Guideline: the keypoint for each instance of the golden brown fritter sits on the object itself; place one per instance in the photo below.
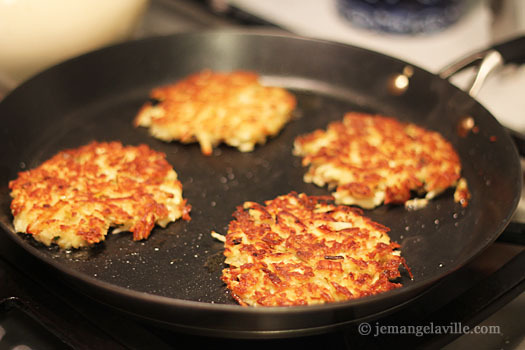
(298, 250)
(212, 107)
(373, 159)
(73, 198)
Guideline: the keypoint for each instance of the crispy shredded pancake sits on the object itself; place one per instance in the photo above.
(300, 250)
(73, 198)
(373, 159)
(211, 107)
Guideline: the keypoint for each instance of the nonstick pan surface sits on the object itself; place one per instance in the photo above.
(174, 277)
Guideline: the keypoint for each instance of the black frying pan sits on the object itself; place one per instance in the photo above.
(173, 278)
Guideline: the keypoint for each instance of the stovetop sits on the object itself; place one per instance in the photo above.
(40, 310)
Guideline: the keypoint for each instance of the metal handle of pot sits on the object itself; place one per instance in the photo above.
(510, 51)
(487, 61)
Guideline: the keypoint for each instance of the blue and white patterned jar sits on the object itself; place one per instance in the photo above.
(402, 16)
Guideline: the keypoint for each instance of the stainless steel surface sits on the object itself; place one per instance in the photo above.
(490, 62)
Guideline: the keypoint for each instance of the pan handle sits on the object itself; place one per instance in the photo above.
(510, 51)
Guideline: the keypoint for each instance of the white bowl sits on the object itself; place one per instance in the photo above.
(36, 34)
